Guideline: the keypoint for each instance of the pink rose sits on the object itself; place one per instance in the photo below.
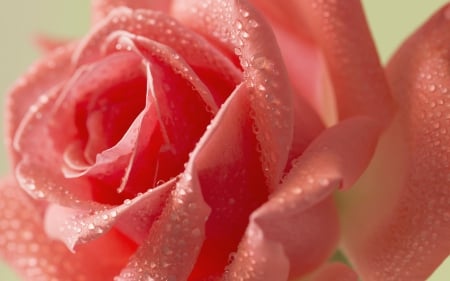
(197, 140)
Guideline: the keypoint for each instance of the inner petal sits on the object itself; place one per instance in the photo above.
(111, 113)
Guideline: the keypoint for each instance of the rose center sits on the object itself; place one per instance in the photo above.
(110, 114)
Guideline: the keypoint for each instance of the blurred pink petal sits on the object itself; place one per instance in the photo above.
(48, 44)
(34, 256)
(407, 237)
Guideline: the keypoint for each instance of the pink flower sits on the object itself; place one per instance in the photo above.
(204, 140)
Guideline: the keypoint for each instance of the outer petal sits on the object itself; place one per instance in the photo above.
(25, 246)
(236, 26)
(101, 8)
(47, 44)
(339, 30)
(299, 217)
(408, 236)
(39, 79)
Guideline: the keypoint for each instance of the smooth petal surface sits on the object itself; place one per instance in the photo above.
(236, 26)
(300, 216)
(339, 31)
(407, 238)
(26, 247)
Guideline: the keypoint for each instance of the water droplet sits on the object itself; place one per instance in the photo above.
(253, 23)
(324, 182)
(239, 25)
(297, 190)
(245, 13)
(245, 34)
(40, 194)
(432, 88)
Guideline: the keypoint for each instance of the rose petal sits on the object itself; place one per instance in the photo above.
(305, 68)
(203, 57)
(236, 25)
(49, 179)
(25, 246)
(339, 29)
(101, 8)
(48, 44)
(334, 271)
(335, 159)
(232, 193)
(407, 237)
(183, 117)
(34, 85)
(134, 218)
(307, 126)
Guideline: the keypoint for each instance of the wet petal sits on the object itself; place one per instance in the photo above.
(48, 44)
(239, 28)
(300, 216)
(101, 8)
(133, 218)
(407, 238)
(203, 57)
(26, 247)
(33, 86)
(222, 199)
(339, 30)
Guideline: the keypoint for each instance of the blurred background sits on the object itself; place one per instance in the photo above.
(390, 21)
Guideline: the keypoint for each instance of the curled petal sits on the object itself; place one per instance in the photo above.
(240, 29)
(222, 185)
(158, 27)
(134, 218)
(300, 216)
(407, 238)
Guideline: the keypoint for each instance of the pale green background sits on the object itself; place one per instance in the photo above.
(390, 20)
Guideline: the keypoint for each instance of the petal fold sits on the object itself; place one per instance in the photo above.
(300, 216)
(239, 28)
